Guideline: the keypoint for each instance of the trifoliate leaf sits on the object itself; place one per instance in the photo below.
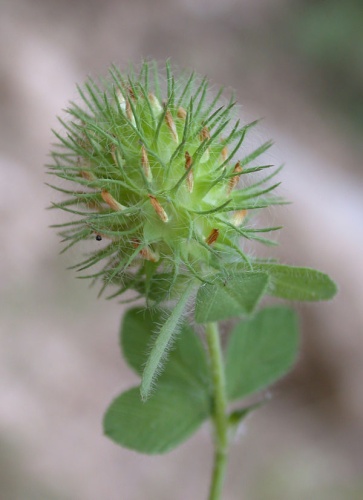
(181, 401)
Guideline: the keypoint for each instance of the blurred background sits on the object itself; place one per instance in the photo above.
(299, 65)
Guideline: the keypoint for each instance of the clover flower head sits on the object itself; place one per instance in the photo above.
(159, 173)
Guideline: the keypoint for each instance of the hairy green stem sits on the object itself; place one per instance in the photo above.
(219, 410)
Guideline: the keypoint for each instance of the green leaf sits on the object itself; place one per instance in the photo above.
(182, 399)
(159, 424)
(231, 295)
(162, 343)
(298, 283)
(260, 351)
(187, 364)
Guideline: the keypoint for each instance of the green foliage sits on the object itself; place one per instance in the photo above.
(187, 360)
(229, 296)
(160, 424)
(260, 351)
(182, 399)
(297, 283)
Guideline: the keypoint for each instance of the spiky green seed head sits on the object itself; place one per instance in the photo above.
(158, 175)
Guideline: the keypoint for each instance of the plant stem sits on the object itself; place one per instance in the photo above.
(219, 410)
